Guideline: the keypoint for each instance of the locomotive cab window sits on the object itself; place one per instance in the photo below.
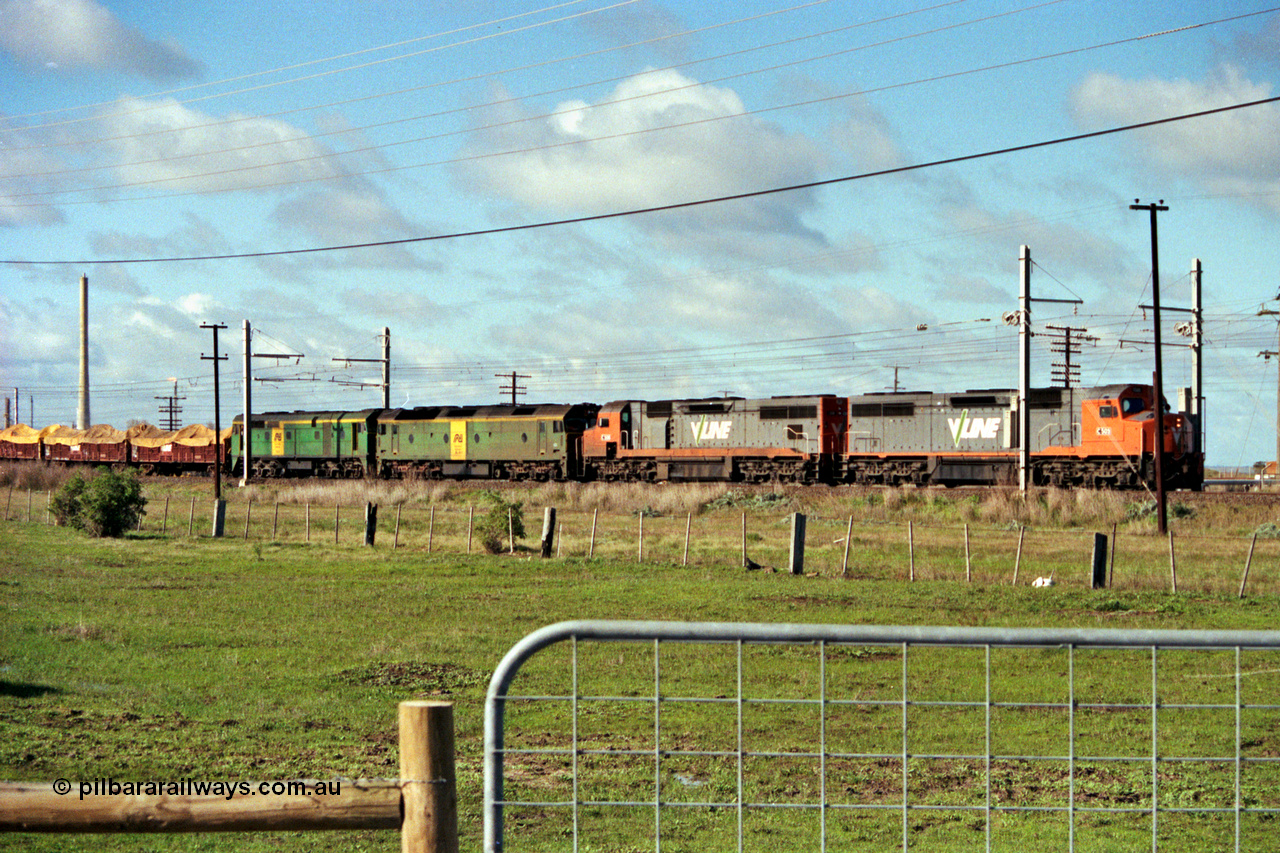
(1106, 411)
(604, 422)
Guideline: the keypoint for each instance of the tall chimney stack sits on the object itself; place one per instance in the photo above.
(82, 411)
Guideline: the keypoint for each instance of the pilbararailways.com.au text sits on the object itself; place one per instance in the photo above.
(196, 788)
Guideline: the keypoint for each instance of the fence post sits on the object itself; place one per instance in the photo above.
(1247, 563)
(471, 519)
(591, 550)
(911, 548)
(688, 526)
(308, 521)
(191, 517)
(744, 540)
(511, 529)
(370, 523)
(428, 784)
(797, 543)
(431, 528)
(1111, 559)
(337, 515)
(1099, 561)
(1173, 564)
(968, 564)
(848, 534)
(395, 542)
(1017, 561)
(164, 525)
(275, 521)
(640, 540)
(248, 511)
(548, 530)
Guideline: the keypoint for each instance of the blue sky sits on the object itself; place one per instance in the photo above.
(146, 131)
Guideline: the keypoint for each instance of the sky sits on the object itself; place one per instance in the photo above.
(632, 199)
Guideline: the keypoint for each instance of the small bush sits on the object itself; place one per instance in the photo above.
(746, 500)
(502, 522)
(105, 506)
(1139, 510)
(1267, 530)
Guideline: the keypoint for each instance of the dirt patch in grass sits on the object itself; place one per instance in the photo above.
(434, 679)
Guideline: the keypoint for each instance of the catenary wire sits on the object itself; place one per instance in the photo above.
(600, 217)
(341, 174)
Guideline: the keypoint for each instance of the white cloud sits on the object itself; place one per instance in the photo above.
(196, 305)
(85, 34)
(170, 148)
(654, 140)
(1232, 153)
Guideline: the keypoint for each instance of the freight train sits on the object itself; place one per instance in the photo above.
(1102, 437)
(1099, 438)
(190, 450)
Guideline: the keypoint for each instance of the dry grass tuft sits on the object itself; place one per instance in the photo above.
(38, 477)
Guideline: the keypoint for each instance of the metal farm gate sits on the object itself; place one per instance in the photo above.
(755, 737)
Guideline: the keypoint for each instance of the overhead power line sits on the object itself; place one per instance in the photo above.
(308, 63)
(327, 156)
(599, 217)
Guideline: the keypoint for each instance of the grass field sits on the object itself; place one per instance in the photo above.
(164, 656)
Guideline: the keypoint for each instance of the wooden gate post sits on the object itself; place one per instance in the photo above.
(428, 784)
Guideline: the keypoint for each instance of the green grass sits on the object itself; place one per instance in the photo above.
(168, 657)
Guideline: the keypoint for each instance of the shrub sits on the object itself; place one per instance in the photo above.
(66, 503)
(503, 521)
(105, 506)
(1267, 530)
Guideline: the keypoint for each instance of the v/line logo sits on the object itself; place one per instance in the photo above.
(964, 429)
(709, 430)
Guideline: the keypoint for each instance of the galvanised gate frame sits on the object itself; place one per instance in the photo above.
(1235, 787)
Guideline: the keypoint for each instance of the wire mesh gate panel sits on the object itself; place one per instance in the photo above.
(755, 737)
